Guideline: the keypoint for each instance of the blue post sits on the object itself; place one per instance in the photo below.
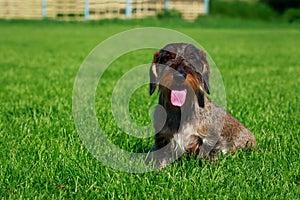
(128, 9)
(167, 4)
(86, 10)
(44, 9)
(206, 7)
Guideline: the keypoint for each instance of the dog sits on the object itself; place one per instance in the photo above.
(185, 119)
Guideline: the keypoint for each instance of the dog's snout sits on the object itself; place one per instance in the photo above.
(179, 77)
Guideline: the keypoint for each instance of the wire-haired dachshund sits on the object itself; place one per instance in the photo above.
(186, 120)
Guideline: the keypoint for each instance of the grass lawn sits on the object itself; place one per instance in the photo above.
(42, 156)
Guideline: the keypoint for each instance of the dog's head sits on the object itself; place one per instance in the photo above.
(176, 69)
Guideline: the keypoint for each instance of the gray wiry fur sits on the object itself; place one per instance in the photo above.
(204, 129)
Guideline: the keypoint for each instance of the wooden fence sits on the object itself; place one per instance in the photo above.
(97, 9)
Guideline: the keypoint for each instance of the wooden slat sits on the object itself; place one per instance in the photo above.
(99, 9)
(190, 10)
(18, 9)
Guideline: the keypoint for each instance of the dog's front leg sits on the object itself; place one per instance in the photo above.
(161, 156)
(209, 143)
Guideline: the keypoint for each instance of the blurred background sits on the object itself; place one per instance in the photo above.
(189, 10)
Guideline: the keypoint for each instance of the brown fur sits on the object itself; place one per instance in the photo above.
(199, 126)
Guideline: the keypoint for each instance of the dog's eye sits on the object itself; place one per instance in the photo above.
(192, 57)
(165, 58)
(168, 57)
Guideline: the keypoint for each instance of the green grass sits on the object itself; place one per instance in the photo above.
(42, 156)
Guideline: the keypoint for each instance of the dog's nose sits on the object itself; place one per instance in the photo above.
(179, 77)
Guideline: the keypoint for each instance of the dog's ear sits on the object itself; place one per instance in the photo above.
(205, 71)
(200, 96)
(153, 73)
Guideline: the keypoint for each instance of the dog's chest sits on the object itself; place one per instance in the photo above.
(187, 137)
(193, 130)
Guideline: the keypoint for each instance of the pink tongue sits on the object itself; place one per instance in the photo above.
(178, 97)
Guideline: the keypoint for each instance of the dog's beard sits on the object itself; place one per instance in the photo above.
(178, 97)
